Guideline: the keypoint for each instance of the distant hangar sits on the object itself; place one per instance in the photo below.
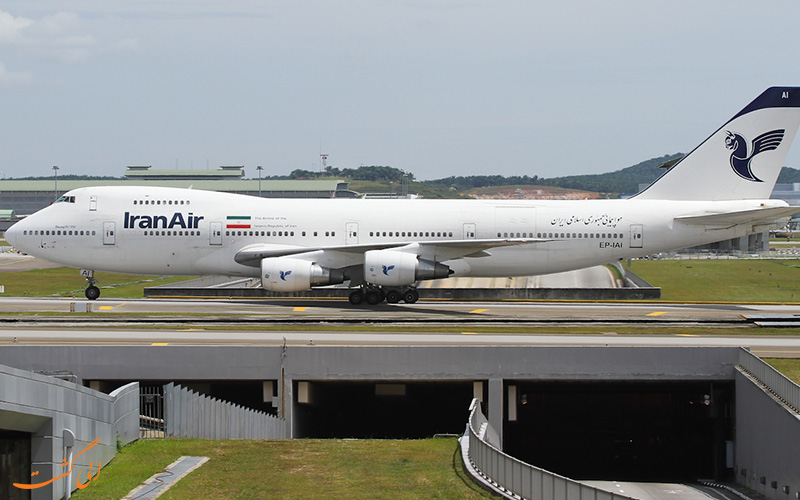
(27, 196)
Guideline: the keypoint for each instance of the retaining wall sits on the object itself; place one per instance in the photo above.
(45, 406)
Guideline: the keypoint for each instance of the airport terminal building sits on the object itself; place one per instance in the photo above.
(25, 197)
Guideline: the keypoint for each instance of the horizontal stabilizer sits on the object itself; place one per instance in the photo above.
(726, 219)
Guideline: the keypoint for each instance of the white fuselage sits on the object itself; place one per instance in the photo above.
(168, 231)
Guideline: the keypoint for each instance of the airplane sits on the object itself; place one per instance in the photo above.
(383, 248)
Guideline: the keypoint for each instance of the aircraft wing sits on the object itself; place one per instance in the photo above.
(251, 255)
(727, 219)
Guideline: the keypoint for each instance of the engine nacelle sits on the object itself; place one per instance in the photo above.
(284, 274)
(393, 268)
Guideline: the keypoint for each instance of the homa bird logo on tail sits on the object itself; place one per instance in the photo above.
(740, 160)
(284, 274)
(386, 270)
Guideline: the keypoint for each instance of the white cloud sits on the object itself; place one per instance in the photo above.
(14, 78)
(60, 37)
(11, 27)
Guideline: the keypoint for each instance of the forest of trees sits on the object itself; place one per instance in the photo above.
(371, 173)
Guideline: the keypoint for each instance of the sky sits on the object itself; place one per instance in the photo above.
(435, 87)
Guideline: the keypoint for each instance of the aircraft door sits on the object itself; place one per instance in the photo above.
(469, 231)
(351, 230)
(637, 233)
(93, 203)
(215, 233)
(109, 230)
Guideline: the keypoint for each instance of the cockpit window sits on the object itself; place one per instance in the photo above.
(66, 199)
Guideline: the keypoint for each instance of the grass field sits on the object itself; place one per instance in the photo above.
(67, 282)
(789, 367)
(319, 469)
(734, 280)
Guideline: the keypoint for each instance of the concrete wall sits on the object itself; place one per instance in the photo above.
(218, 419)
(44, 406)
(491, 364)
(767, 442)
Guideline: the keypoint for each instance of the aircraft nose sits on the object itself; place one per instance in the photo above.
(12, 234)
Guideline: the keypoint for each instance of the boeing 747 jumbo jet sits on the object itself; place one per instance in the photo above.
(383, 248)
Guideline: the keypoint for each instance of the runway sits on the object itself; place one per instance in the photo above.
(340, 310)
(766, 346)
(336, 323)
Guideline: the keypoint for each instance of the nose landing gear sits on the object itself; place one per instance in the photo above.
(374, 295)
(91, 292)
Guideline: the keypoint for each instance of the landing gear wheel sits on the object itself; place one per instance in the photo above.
(374, 297)
(92, 292)
(357, 297)
(393, 296)
(410, 296)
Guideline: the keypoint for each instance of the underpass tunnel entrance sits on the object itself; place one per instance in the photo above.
(628, 431)
(15, 464)
(381, 409)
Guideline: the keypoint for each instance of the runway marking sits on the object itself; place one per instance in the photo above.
(657, 313)
(468, 333)
(299, 309)
(106, 308)
(478, 311)
(685, 335)
(160, 343)
(15, 262)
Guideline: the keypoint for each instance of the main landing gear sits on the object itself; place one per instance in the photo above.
(373, 295)
(91, 292)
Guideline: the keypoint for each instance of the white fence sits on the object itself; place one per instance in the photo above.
(774, 381)
(188, 414)
(516, 479)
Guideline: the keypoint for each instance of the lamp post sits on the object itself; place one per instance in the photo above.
(55, 176)
(259, 168)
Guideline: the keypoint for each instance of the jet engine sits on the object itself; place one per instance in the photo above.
(284, 274)
(393, 268)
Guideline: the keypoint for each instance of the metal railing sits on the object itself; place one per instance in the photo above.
(516, 479)
(151, 412)
(771, 379)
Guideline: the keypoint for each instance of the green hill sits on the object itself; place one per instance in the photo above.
(626, 180)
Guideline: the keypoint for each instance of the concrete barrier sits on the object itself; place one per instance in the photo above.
(461, 294)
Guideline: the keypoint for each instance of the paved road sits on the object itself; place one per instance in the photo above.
(333, 309)
(659, 491)
(64, 334)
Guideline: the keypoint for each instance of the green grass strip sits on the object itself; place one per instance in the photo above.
(319, 469)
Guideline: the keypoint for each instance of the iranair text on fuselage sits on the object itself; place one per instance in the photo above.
(175, 221)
